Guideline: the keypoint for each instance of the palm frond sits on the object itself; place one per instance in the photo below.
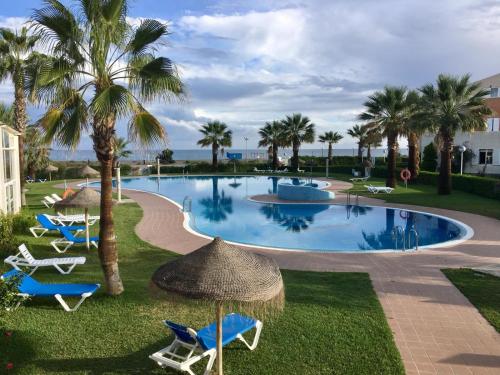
(145, 35)
(114, 100)
(144, 128)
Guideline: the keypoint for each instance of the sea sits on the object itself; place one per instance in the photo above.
(206, 154)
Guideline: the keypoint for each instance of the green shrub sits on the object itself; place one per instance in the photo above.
(9, 297)
(125, 169)
(7, 239)
(166, 156)
(429, 160)
(22, 222)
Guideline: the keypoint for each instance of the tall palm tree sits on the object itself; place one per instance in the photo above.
(358, 132)
(215, 134)
(16, 56)
(102, 69)
(331, 138)
(272, 135)
(297, 129)
(390, 110)
(36, 151)
(453, 104)
(120, 150)
(373, 138)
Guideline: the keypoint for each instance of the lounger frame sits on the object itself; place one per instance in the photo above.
(169, 356)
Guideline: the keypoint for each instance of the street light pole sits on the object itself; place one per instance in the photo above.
(246, 147)
(462, 149)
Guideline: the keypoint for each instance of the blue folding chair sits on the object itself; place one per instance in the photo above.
(71, 239)
(45, 224)
(29, 287)
(202, 343)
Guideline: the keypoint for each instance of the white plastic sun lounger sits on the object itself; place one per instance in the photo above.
(300, 170)
(202, 343)
(56, 197)
(69, 220)
(25, 259)
(256, 170)
(379, 189)
(48, 201)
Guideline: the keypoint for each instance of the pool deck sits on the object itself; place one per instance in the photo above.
(436, 329)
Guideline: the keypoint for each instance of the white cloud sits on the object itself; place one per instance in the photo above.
(14, 23)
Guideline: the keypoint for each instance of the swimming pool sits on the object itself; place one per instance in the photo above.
(220, 207)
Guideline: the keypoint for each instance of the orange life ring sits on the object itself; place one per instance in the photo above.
(67, 193)
(405, 174)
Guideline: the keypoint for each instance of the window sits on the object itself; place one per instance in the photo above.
(494, 92)
(7, 165)
(5, 139)
(486, 156)
(9, 198)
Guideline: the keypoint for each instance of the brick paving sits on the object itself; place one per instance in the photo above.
(436, 329)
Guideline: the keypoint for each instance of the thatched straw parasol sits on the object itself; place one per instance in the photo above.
(88, 171)
(85, 198)
(51, 168)
(225, 275)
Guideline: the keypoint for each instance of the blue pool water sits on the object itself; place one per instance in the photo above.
(220, 207)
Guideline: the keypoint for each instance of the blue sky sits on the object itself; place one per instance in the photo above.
(247, 62)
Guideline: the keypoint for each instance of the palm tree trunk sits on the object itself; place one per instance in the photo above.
(392, 145)
(369, 152)
(329, 152)
(108, 252)
(360, 152)
(214, 156)
(20, 123)
(275, 156)
(413, 156)
(444, 186)
(295, 157)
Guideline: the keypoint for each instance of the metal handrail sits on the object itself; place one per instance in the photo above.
(186, 204)
(415, 233)
(398, 230)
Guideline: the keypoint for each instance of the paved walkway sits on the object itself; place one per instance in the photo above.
(435, 327)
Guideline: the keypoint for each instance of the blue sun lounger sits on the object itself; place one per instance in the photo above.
(71, 239)
(46, 224)
(202, 343)
(29, 287)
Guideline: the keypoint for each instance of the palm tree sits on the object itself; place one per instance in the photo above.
(218, 206)
(36, 151)
(390, 110)
(331, 138)
(215, 134)
(453, 104)
(297, 129)
(6, 114)
(120, 150)
(272, 135)
(373, 138)
(358, 132)
(16, 56)
(101, 70)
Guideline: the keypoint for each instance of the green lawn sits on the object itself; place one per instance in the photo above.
(332, 322)
(482, 290)
(425, 195)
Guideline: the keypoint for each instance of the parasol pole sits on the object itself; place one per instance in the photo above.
(87, 235)
(219, 339)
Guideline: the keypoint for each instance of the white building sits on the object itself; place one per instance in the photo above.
(484, 144)
(10, 185)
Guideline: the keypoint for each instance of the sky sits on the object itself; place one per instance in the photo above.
(248, 62)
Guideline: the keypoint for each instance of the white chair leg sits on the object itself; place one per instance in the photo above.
(56, 247)
(255, 342)
(62, 271)
(34, 230)
(210, 364)
(33, 270)
(66, 307)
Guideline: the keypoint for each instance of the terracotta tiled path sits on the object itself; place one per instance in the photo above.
(435, 328)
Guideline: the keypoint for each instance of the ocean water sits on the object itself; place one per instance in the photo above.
(206, 154)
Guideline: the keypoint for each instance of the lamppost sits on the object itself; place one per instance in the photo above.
(462, 149)
(246, 147)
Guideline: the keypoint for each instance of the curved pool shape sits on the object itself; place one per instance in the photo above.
(220, 207)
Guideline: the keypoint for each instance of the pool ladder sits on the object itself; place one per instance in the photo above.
(399, 232)
(348, 197)
(186, 204)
